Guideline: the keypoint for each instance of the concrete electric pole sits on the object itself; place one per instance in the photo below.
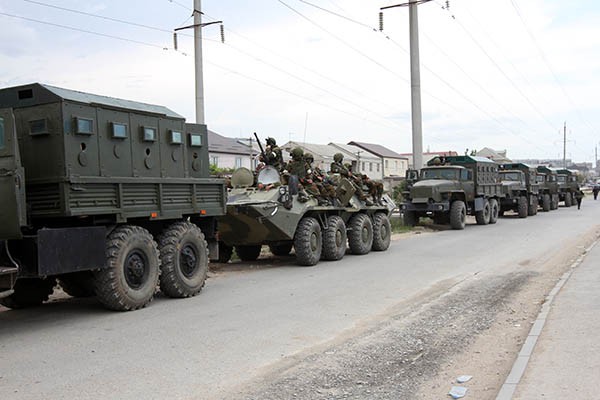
(415, 80)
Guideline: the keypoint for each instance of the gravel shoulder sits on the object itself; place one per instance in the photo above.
(418, 348)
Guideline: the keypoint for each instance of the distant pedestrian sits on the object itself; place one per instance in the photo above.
(578, 197)
(595, 190)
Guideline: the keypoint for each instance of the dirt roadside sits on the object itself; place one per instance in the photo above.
(474, 327)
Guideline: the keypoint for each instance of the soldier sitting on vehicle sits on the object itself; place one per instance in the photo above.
(272, 155)
(374, 188)
(326, 191)
(295, 170)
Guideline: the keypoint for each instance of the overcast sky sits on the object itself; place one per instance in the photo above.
(504, 74)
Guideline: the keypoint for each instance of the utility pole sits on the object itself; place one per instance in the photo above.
(565, 146)
(415, 79)
(198, 72)
(199, 75)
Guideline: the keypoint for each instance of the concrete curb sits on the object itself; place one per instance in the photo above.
(514, 378)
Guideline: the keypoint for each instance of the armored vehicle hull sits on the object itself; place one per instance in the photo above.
(106, 196)
(257, 217)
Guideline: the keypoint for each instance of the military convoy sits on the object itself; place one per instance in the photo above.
(450, 188)
(110, 197)
(266, 212)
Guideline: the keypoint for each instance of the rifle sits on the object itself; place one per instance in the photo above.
(262, 151)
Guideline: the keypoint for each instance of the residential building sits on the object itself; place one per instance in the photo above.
(498, 156)
(231, 153)
(366, 162)
(393, 163)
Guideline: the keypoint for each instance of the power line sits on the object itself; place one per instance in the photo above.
(85, 31)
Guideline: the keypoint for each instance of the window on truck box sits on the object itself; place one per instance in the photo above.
(1, 133)
(119, 131)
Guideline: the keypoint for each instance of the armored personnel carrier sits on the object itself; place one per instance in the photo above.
(450, 188)
(521, 191)
(267, 213)
(548, 193)
(109, 197)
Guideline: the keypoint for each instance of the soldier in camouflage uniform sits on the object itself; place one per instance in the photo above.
(326, 190)
(294, 171)
(345, 170)
(272, 155)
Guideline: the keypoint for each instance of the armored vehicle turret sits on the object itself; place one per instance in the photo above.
(271, 213)
(104, 195)
(450, 188)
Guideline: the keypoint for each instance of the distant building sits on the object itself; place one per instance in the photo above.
(394, 164)
(498, 156)
(366, 163)
(233, 153)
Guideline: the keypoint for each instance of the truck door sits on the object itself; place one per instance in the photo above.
(12, 180)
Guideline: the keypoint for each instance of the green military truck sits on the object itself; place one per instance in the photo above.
(567, 185)
(520, 189)
(450, 188)
(107, 197)
(548, 193)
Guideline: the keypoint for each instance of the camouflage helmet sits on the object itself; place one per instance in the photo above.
(297, 153)
(338, 157)
(309, 157)
(271, 141)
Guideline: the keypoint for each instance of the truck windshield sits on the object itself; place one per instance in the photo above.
(440, 173)
(1, 133)
(540, 178)
(562, 178)
(510, 176)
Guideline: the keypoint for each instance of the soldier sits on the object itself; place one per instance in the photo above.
(337, 167)
(272, 155)
(295, 170)
(375, 189)
(326, 191)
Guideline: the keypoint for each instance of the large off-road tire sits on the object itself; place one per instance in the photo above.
(29, 292)
(532, 210)
(308, 241)
(568, 200)
(546, 202)
(458, 215)
(184, 260)
(248, 253)
(494, 211)
(133, 265)
(225, 252)
(554, 202)
(522, 207)
(334, 239)
(409, 218)
(360, 235)
(382, 232)
(281, 249)
(483, 216)
(78, 284)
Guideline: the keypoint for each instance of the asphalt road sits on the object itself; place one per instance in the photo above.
(251, 318)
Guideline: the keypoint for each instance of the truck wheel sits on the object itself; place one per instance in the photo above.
(409, 218)
(546, 202)
(382, 232)
(360, 236)
(522, 207)
(458, 214)
(29, 292)
(281, 249)
(554, 202)
(133, 266)
(532, 210)
(184, 260)
(483, 216)
(78, 284)
(494, 211)
(225, 252)
(334, 239)
(248, 253)
(568, 200)
(308, 241)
